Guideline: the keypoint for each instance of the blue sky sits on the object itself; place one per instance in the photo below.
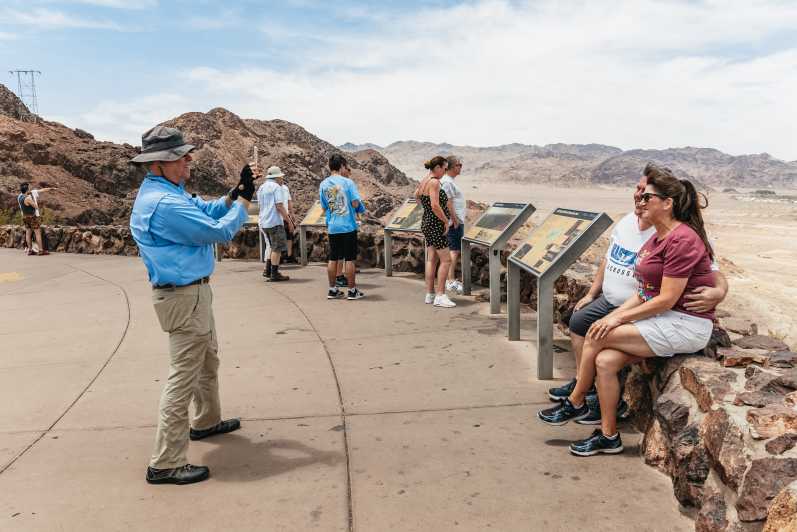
(641, 73)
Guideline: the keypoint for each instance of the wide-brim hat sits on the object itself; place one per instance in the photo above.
(162, 144)
(274, 171)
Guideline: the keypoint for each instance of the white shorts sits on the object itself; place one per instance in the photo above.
(673, 332)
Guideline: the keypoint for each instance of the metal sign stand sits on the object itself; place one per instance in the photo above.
(314, 219)
(494, 250)
(545, 291)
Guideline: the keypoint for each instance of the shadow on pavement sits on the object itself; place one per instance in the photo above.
(238, 459)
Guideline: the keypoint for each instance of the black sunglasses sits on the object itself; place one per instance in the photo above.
(647, 195)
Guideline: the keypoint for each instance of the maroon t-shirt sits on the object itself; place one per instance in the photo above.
(680, 254)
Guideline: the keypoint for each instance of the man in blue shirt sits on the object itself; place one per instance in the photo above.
(175, 233)
(341, 201)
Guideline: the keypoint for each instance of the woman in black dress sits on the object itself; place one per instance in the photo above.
(435, 227)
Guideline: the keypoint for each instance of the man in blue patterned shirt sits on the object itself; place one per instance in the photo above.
(175, 233)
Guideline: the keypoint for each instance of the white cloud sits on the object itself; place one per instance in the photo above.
(53, 19)
(126, 121)
(121, 4)
(633, 74)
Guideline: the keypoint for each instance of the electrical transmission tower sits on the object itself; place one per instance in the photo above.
(26, 90)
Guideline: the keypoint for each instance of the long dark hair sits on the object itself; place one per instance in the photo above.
(686, 200)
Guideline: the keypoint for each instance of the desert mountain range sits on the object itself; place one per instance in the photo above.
(593, 164)
(96, 184)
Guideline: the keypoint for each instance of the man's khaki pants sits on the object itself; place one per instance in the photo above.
(186, 313)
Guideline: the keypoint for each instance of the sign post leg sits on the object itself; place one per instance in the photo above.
(261, 249)
(495, 281)
(544, 329)
(513, 301)
(465, 259)
(303, 245)
(219, 252)
(388, 254)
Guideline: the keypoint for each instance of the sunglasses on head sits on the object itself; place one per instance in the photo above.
(647, 195)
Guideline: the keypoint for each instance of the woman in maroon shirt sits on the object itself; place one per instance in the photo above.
(652, 323)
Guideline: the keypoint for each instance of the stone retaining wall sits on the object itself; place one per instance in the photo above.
(722, 424)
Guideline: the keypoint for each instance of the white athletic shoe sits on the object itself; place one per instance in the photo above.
(429, 299)
(443, 301)
(458, 288)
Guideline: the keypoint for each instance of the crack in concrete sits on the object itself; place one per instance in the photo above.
(349, 501)
(93, 379)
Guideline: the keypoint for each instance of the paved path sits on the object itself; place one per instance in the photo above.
(371, 415)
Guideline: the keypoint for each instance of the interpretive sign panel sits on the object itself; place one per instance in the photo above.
(407, 217)
(315, 216)
(547, 253)
(493, 222)
(549, 240)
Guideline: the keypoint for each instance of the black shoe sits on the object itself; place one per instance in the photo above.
(564, 412)
(341, 282)
(188, 474)
(267, 270)
(276, 276)
(291, 260)
(228, 425)
(334, 293)
(597, 443)
(594, 417)
(562, 392)
(354, 293)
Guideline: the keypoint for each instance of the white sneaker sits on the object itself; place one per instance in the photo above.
(451, 285)
(429, 299)
(443, 301)
(458, 288)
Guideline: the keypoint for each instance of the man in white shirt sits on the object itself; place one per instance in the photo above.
(456, 208)
(615, 283)
(273, 219)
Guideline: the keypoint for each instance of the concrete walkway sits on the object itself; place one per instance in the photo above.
(371, 415)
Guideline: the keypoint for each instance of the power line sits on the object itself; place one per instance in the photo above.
(26, 90)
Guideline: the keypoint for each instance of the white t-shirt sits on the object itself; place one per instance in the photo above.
(454, 193)
(268, 195)
(619, 282)
(287, 193)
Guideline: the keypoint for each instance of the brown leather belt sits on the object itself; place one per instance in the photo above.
(204, 280)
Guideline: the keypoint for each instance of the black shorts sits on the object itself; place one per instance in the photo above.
(343, 246)
(582, 319)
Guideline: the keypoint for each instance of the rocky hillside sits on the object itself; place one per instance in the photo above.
(225, 142)
(96, 184)
(584, 164)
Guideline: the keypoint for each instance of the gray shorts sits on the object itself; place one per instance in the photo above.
(581, 320)
(277, 238)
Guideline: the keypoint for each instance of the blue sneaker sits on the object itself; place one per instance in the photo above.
(594, 417)
(561, 393)
(597, 443)
(564, 412)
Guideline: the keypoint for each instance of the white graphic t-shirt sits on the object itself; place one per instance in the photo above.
(619, 282)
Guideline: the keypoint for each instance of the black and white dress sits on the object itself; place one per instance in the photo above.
(434, 230)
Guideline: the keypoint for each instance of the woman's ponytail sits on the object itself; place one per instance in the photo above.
(687, 209)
